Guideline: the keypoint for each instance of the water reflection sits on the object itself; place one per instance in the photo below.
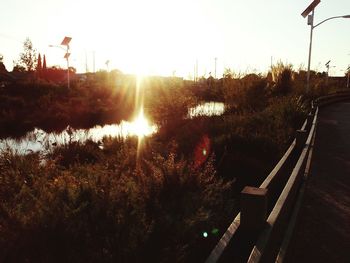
(207, 109)
(140, 126)
(40, 140)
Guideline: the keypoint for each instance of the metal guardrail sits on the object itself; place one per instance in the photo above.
(266, 234)
(264, 249)
(332, 98)
(284, 249)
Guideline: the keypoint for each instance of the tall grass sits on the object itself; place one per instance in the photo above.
(81, 202)
(108, 209)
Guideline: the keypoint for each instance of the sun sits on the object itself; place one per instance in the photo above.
(141, 127)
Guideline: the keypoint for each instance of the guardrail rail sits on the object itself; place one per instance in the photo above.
(262, 230)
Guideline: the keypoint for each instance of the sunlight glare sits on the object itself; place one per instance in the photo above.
(140, 126)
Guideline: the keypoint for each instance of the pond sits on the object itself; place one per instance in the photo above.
(38, 139)
(207, 109)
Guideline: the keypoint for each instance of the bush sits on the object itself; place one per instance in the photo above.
(107, 211)
(282, 77)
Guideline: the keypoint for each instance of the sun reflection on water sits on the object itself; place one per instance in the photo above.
(140, 126)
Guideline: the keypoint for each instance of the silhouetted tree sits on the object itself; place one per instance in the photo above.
(44, 63)
(38, 65)
(28, 57)
(44, 68)
(2, 66)
(18, 68)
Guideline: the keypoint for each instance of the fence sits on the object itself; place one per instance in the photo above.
(262, 230)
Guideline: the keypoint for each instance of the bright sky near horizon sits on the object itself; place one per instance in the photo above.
(160, 37)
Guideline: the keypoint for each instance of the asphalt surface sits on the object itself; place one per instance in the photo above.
(322, 233)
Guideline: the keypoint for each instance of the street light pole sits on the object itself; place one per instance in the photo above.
(311, 23)
(65, 42)
(305, 13)
(333, 17)
(67, 58)
(67, 55)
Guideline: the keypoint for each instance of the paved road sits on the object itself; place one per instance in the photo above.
(323, 230)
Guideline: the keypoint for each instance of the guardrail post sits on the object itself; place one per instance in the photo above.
(313, 108)
(300, 137)
(310, 119)
(253, 209)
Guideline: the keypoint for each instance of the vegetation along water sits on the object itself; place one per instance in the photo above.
(149, 197)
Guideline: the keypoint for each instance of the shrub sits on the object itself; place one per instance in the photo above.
(282, 76)
(107, 211)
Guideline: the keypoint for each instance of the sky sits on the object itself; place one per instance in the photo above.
(168, 37)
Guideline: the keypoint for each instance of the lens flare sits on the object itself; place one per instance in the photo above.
(215, 231)
(202, 151)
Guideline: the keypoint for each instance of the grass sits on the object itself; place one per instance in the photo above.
(81, 202)
(116, 210)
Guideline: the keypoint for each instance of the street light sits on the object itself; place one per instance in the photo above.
(310, 21)
(65, 42)
(333, 17)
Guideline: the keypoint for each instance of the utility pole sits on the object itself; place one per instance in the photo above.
(327, 66)
(271, 62)
(194, 73)
(215, 67)
(348, 71)
(93, 58)
(86, 63)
